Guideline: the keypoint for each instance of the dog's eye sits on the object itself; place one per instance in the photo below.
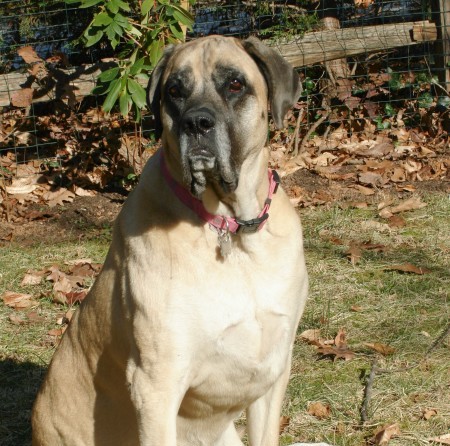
(174, 91)
(235, 86)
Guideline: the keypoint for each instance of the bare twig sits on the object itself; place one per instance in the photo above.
(368, 392)
(310, 131)
(295, 141)
(376, 370)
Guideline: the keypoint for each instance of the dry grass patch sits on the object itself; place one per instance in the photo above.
(405, 312)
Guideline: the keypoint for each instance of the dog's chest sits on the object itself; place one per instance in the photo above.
(241, 340)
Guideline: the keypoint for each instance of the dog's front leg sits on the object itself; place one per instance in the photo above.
(156, 390)
(263, 416)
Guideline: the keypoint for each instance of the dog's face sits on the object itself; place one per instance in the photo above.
(211, 98)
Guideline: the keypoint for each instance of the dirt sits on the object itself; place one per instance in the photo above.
(90, 217)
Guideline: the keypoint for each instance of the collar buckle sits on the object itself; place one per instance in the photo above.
(250, 226)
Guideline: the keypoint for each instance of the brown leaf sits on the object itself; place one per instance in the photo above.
(383, 349)
(58, 196)
(32, 278)
(354, 253)
(56, 331)
(408, 268)
(284, 423)
(396, 221)
(319, 410)
(34, 317)
(28, 54)
(371, 178)
(22, 97)
(310, 335)
(74, 297)
(356, 308)
(364, 190)
(429, 413)
(442, 439)
(336, 353)
(16, 319)
(18, 300)
(408, 205)
(383, 436)
(341, 339)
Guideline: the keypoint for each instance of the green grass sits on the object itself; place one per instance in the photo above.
(405, 311)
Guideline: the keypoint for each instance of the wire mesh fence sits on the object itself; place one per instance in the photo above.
(370, 69)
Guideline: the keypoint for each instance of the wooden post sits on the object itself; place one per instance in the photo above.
(441, 16)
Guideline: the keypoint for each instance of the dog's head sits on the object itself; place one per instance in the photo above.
(210, 99)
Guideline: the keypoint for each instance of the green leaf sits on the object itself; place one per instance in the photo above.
(92, 39)
(109, 75)
(102, 19)
(181, 18)
(146, 6)
(137, 66)
(425, 100)
(122, 5)
(176, 31)
(116, 88)
(186, 14)
(124, 103)
(112, 7)
(89, 3)
(121, 20)
(155, 51)
(100, 89)
(137, 93)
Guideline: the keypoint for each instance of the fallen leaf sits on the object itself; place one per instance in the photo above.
(58, 196)
(310, 335)
(429, 413)
(408, 205)
(408, 268)
(22, 97)
(32, 278)
(356, 308)
(74, 297)
(383, 349)
(28, 54)
(56, 331)
(354, 253)
(364, 190)
(284, 423)
(442, 439)
(396, 221)
(21, 186)
(383, 435)
(319, 410)
(18, 300)
(34, 317)
(16, 319)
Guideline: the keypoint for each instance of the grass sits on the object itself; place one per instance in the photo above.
(405, 311)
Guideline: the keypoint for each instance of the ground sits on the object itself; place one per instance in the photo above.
(358, 303)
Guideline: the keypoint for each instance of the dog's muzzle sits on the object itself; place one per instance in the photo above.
(204, 158)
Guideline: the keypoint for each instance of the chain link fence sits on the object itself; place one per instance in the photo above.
(369, 68)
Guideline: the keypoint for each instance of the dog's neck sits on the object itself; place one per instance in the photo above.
(245, 209)
(248, 199)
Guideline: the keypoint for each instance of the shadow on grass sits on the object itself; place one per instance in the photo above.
(19, 383)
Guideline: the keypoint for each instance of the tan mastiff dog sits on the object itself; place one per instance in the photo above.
(193, 317)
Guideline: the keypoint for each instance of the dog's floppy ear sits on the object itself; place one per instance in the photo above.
(154, 89)
(282, 80)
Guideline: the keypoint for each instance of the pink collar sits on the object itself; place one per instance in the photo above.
(222, 223)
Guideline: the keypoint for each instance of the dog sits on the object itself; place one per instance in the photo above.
(194, 314)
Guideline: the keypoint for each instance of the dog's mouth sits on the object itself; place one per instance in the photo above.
(203, 168)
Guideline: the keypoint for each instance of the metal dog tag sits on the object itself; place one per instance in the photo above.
(225, 244)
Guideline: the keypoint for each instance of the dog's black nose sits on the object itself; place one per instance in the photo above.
(198, 122)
